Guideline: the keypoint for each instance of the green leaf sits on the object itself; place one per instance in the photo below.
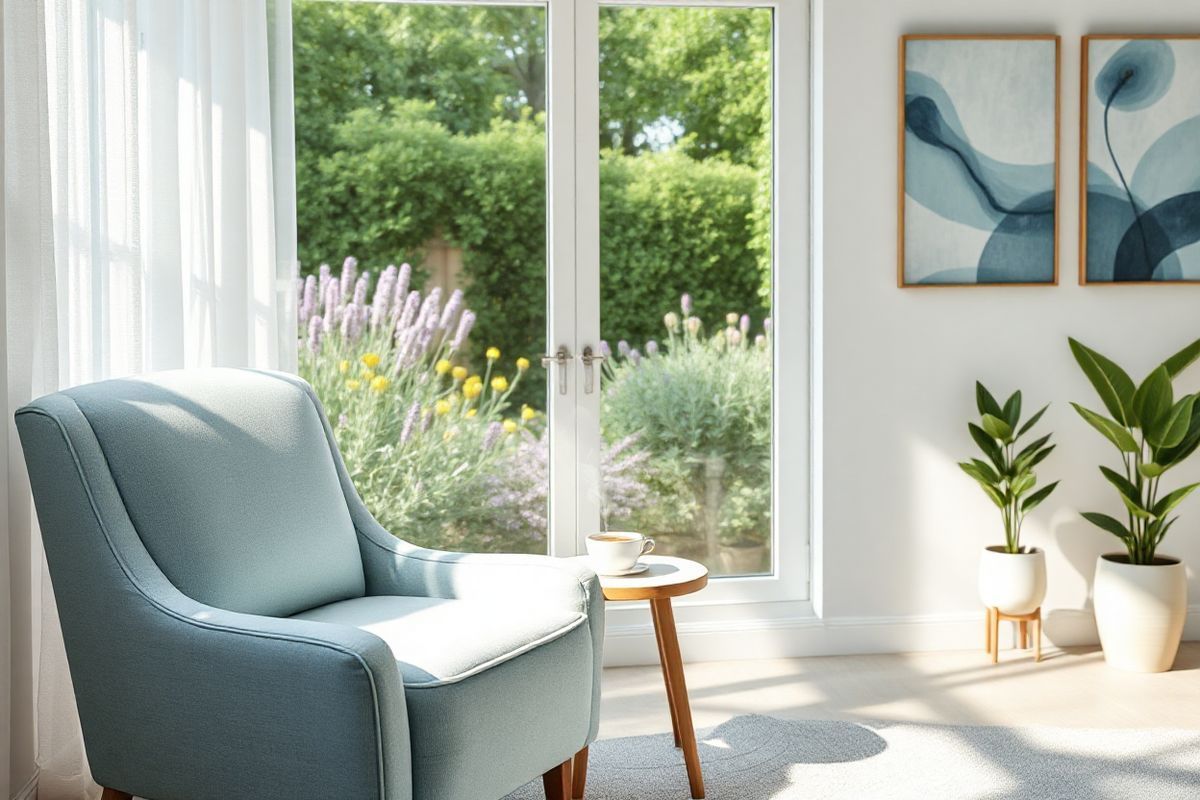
(1183, 359)
(1173, 427)
(1136, 509)
(1112, 431)
(1170, 456)
(1114, 386)
(985, 402)
(1109, 524)
(1035, 499)
(1153, 399)
(1123, 484)
(1031, 448)
(1022, 484)
(1167, 504)
(1011, 413)
(997, 428)
(1151, 470)
(1039, 457)
(986, 470)
(1031, 422)
(987, 444)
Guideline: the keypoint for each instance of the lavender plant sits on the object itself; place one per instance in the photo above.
(437, 450)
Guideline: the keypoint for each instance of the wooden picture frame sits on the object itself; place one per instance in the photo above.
(1086, 97)
(902, 278)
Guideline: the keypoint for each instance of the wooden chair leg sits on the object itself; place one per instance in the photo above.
(579, 774)
(987, 629)
(113, 794)
(557, 782)
(1024, 634)
(678, 687)
(662, 660)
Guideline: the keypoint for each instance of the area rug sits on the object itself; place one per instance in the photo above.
(763, 758)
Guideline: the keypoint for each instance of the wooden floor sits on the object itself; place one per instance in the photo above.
(1072, 688)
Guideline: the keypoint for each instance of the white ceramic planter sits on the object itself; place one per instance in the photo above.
(1140, 611)
(1015, 583)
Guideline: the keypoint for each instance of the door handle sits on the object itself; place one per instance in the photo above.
(562, 357)
(590, 358)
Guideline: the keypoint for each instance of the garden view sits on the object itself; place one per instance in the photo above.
(421, 184)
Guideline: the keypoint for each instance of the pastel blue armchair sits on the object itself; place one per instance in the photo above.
(238, 625)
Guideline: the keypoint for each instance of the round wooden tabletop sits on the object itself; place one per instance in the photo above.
(667, 577)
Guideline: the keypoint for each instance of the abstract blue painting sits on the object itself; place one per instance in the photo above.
(1141, 139)
(979, 160)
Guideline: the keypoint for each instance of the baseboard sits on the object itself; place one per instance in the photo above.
(29, 790)
(633, 644)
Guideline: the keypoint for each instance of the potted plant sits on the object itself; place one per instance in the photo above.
(1140, 596)
(1012, 578)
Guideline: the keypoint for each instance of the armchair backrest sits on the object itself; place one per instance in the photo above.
(230, 483)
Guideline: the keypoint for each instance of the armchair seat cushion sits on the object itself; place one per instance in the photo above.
(437, 641)
(496, 692)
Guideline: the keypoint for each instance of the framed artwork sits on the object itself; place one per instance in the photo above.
(979, 139)
(1139, 162)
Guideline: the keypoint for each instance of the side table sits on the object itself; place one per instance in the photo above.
(667, 577)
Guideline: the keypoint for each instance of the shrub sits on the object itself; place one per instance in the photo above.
(701, 404)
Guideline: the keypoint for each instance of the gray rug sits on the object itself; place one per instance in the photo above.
(762, 758)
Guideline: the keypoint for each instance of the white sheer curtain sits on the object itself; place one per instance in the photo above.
(162, 240)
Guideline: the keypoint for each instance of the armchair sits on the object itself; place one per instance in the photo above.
(237, 624)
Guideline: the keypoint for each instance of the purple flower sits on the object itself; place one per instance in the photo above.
(464, 328)
(605, 350)
(733, 336)
(685, 303)
(453, 306)
(760, 341)
(431, 307)
(635, 356)
(383, 296)
(354, 319)
(409, 314)
(410, 422)
(315, 329)
(360, 289)
(767, 326)
(323, 280)
(623, 348)
(651, 348)
(308, 305)
(343, 420)
(349, 275)
(401, 290)
(744, 324)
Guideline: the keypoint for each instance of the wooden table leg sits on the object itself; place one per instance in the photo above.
(579, 774)
(987, 625)
(1024, 634)
(662, 659)
(677, 687)
(1037, 633)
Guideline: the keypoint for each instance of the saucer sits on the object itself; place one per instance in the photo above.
(636, 569)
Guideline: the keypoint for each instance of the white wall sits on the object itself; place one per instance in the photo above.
(902, 526)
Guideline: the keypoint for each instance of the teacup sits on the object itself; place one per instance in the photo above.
(615, 552)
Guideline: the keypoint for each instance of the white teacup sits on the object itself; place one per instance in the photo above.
(614, 552)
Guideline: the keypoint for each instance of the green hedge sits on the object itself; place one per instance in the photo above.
(670, 224)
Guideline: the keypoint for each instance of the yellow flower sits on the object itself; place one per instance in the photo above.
(493, 353)
(353, 384)
(367, 375)
(510, 426)
(459, 373)
(499, 383)
(442, 407)
(471, 413)
(344, 366)
(370, 359)
(442, 366)
(522, 364)
(471, 390)
(380, 383)
(527, 413)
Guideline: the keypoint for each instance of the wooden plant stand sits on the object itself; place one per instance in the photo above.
(995, 617)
